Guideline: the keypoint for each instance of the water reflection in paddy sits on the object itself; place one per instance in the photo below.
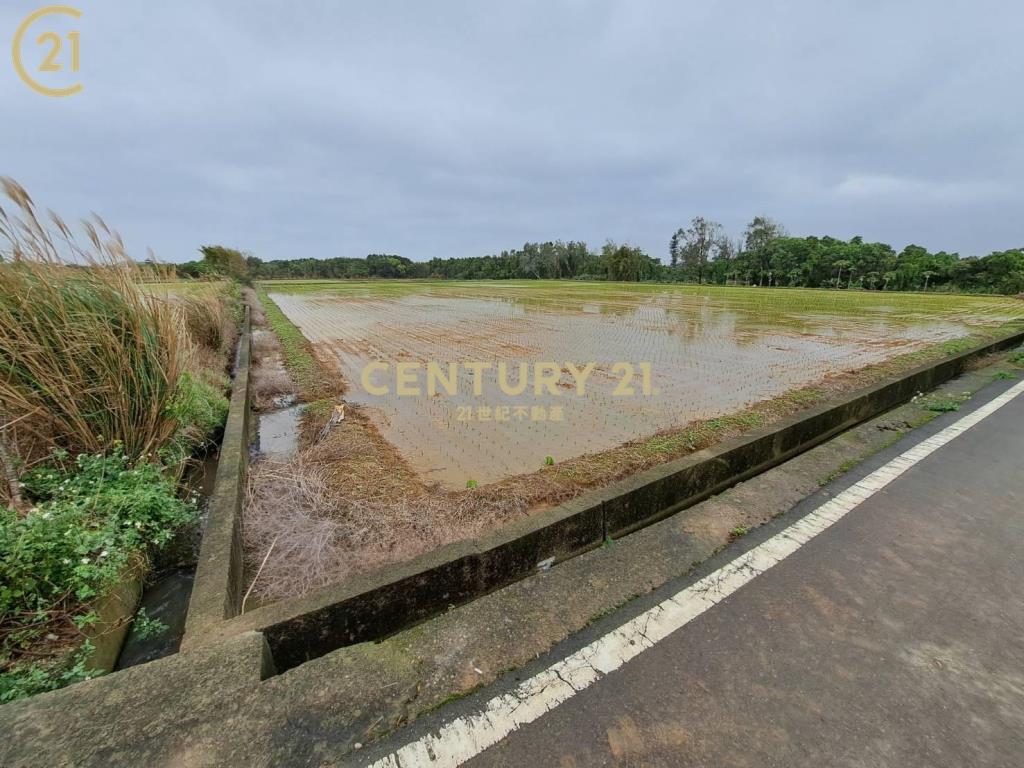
(711, 351)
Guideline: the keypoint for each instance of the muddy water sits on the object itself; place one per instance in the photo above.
(279, 432)
(710, 352)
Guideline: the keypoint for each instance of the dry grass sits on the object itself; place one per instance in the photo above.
(269, 384)
(313, 369)
(320, 536)
(265, 346)
(350, 505)
(87, 357)
(290, 507)
(257, 316)
(209, 321)
(270, 379)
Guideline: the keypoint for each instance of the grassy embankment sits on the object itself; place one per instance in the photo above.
(313, 379)
(107, 387)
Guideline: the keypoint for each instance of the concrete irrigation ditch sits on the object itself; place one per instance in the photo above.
(375, 605)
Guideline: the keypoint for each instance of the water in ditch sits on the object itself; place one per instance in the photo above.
(167, 592)
(168, 589)
(278, 435)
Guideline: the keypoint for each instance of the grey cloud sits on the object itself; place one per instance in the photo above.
(461, 128)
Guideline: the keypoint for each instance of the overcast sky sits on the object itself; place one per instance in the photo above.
(462, 128)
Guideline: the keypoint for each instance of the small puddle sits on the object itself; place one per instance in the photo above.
(278, 436)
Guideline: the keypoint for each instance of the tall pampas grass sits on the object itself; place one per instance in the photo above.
(88, 359)
(207, 318)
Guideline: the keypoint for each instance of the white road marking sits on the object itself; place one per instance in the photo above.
(465, 737)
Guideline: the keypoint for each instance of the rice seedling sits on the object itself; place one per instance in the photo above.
(713, 353)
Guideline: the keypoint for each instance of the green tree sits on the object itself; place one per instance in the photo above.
(673, 248)
(761, 232)
(700, 243)
(626, 262)
(229, 262)
(841, 264)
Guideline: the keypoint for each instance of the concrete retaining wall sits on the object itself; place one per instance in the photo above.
(217, 592)
(115, 611)
(372, 606)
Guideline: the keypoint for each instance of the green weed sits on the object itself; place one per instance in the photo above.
(845, 467)
(105, 373)
(93, 520)
(299, 359)
(739, 530)
(146, 627)
(942, 405)
(199, 410)
(23, 680)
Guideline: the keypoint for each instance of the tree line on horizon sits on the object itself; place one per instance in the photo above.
(766, 255)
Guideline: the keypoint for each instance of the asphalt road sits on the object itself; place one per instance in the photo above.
(893, 638)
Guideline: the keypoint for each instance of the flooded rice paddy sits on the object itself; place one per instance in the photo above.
(693, 352)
